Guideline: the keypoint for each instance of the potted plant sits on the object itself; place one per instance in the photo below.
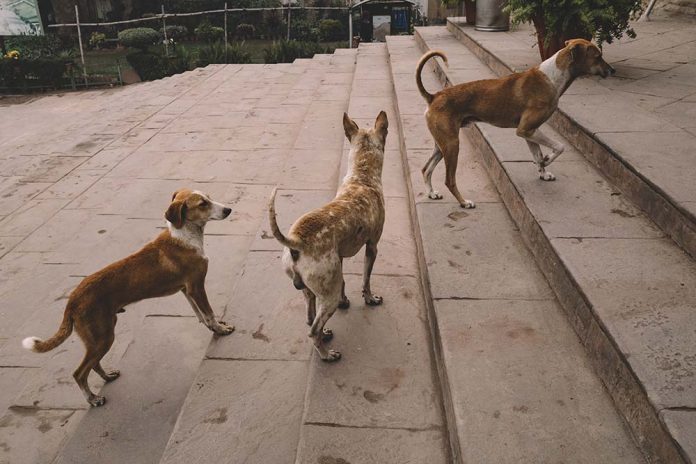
(492, 15)
(556, 21)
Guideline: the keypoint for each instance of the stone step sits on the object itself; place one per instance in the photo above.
(643, 152)
(101, 222)
(627, 290)
(518, 386)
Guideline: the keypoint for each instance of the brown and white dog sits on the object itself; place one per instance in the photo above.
(318, 241)
(523, 100)
(173, 262)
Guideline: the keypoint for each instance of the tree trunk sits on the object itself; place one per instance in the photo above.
(550, 42)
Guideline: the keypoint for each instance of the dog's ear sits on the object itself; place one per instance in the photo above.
(176, 213)
(575, 49)
(176, 192)
(382, 124)
(349, 126)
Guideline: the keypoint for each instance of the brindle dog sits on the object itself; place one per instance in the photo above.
(318, 241)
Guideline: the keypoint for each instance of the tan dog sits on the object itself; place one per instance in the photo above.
(173, 262)
(523, 100)
(318, 241)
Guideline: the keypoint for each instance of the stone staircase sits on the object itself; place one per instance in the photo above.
(602, 240)
(472, 356)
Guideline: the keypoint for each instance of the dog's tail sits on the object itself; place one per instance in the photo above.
(419, 82)
(285, 241)
(39, 346)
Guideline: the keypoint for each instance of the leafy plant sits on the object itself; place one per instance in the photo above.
(149, 66)
(35, 46)
(43, 71)
(205, 32)
(559, 20)
(175, 32)
(138, 37)
(287, 51)
(246, 31)
(303, 31)
(96, 40)
(215, 53)
(330, 30)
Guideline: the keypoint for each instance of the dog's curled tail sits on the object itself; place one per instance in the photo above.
(285, 241)
(419, 69)
(40, 346)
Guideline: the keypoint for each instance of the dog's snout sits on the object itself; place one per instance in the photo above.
(226, 211)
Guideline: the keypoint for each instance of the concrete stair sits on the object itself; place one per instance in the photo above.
(626, 288)
(642, 152)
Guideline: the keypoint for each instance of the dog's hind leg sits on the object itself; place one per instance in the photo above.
(427, 172)
(450, 151)
(326, 307)
(98, 341)
(370, 257)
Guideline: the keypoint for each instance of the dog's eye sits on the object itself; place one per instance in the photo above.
(203, 204)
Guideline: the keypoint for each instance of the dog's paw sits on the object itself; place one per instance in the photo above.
(344, 303)
(435, 195)
(327, 335)
(547, 176)
(468, 204)
(332, 356)
(112, 375)
(222, 328)
(96, 400)
(373, 300)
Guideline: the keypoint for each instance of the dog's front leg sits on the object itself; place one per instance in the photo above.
(539, 161)
(539, 138)
(370, 257)
(199, 302)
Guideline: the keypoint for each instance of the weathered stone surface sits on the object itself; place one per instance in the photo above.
(682, 426)
(379, 381)
(269, 324)
(143, 403)
(580, 203)
(30, 436)
(646, 309)
(522, 386)
(241, 411)
(477, 254)
(336, 445)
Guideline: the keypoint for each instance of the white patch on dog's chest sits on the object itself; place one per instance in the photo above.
(558, 77)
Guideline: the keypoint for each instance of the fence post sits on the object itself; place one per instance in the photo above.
(289, 11)
(79, 38)
(225, 32)
(350, 25)
(164, 31)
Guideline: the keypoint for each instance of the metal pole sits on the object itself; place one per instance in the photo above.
(79, 38)
(289, 11)
(350, 27)
(225, 32)
(164, 30)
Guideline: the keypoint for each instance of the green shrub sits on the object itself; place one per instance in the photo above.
(205, 32)
(303, 31)
(287, 51)
(215, 53)
(175, 32)
(35, 46)
(558, 20)
(96, 40)
(246, 31)
(330, 30)
(149, 66)
(138, 37)
(43, 71)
